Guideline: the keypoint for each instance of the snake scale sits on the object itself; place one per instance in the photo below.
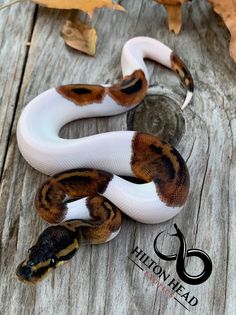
(83, 195)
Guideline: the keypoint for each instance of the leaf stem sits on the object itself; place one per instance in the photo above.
(10, 4)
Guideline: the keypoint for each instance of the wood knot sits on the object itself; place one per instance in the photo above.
(160, 116)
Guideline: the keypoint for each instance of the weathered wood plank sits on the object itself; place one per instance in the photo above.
(101, 279)
(16, 27)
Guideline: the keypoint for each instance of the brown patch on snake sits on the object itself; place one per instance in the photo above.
(180, 68)
(157, 161)
(82, 94)
(49, 201)
(106, 220)
(51, 198)
(131, 90)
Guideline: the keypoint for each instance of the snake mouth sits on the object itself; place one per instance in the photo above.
(27, 275)
(24, 273)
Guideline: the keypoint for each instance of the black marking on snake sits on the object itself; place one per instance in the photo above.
(81, 90)
(157, 150)
(103, 185)
(181, 257)
(191, 86)
(133, 88)
(188, 76)
(165, 161)
(40, 198)
(40, 272)
(105, 203)
(68, 256)
(51, 238)
(183, 172)
(46, 205)
(50, 196)
(185, 71)
(46, 195)
(73, 170)
(125, 83)
(76, 180)
(27, 272)
(47, 198)
(169, 166)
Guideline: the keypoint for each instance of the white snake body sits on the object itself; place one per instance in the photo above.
(42, 119)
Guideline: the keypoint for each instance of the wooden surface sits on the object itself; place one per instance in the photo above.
(101, 279)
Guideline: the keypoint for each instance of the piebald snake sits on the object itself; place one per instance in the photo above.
(84, 197)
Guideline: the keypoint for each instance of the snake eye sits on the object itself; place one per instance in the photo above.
(30, 263)
(53, 262)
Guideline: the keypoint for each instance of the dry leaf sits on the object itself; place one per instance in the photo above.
(80, 36)
(173, 8)
(76, 34)
(87, 6)
(227, 10)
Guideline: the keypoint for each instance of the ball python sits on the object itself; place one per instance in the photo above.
(83, 195)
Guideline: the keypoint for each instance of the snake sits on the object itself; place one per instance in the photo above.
(87, 184)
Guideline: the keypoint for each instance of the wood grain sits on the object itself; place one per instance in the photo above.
(16, 25)
(101, 279)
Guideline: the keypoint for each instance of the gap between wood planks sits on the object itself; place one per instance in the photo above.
(19, 88)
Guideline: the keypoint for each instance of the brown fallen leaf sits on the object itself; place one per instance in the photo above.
(173, 8)
(87, 6)
(80, 36)
(227, 10)
(76, 34)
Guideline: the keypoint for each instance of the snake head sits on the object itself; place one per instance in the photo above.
(53, 248)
